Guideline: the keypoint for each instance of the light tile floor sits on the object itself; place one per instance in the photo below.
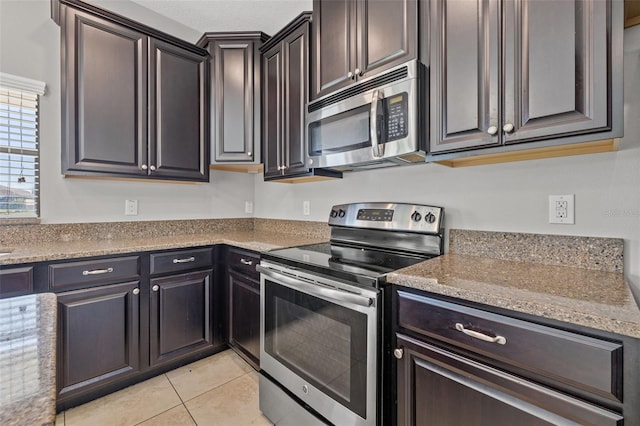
(221, 390)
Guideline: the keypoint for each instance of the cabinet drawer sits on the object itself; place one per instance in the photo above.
(16, 281)
(244, 262)
(101, 271)
(181, 260)
(566, 359)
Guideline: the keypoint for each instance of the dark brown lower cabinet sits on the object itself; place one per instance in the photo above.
(180, 320)
(244, 316)
(98, 337)
(438, 387)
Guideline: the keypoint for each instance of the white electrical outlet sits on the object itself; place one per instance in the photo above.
(131, 207)
(248, 207)
(306, 208)
(561, 209)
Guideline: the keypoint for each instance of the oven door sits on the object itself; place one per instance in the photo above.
(319, 342)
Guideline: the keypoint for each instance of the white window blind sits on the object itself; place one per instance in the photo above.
(19, 152)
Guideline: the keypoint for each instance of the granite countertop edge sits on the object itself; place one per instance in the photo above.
(564, 309)
(249, 240)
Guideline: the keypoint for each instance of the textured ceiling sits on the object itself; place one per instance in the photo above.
(229, 15)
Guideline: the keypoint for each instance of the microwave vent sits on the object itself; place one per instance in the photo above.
(390, 77)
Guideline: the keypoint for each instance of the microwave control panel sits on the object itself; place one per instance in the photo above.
(397, 107)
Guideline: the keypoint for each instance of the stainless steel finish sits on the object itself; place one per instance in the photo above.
(136, 291)
(98, 271)
(377, 150)
(155, 287)
(185, 260)
(315, 398)
(144, 167)
(152, 168)
(325, 289)
(281, 409)
(398, 353)
(481, 336)
(246, 262)
(492, 130)
(401, 217)
(508, 128)
(398, 152)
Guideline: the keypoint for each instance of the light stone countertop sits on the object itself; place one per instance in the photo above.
(596, 299)
(28, 360)
(251, 240)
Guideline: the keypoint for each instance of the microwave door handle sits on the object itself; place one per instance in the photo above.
(377, 149)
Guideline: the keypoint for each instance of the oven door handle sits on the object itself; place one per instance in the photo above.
(377, 149)
(316, 290)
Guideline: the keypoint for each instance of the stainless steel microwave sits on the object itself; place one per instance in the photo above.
(381, 121)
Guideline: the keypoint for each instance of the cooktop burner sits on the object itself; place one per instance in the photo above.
(364, 264)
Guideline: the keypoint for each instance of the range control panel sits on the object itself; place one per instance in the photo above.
(389, 216)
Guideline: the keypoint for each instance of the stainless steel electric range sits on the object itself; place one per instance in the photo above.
(322, 316)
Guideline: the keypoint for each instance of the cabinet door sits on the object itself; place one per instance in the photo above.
(272, 113)
(244, 316)
(296, 74)
(179, 112)
(334, 45)
(180, 320)
(233, 98)
(465, 67)
(437, 387)
(98, 340)
(104, 96)
(387, 34)
(556, 68)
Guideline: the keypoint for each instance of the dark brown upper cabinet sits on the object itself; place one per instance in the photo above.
(235, 96)
(284, 96)
(134, 100)
(353, 39)
(509, 71)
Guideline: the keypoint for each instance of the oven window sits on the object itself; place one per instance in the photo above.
(322, 342)
(339, 133)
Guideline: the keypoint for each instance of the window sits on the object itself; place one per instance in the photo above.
(19, 153)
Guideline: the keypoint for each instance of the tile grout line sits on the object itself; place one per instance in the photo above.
(181, 400)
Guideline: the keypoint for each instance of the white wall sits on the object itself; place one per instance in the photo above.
(509, 197)
(30, 47)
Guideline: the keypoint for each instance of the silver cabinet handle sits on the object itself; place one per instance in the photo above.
(492, 130)
(98, 271)
(155, 287)
(144, 167)
(152, 168)
(136, 291)
(508, 128)
(398, 353)
(246, 262)
(358, 72)
(185, 260)
(498, 339)
(249, 153)
(350, 75)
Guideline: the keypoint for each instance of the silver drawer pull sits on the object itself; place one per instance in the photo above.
(185, 260)
(98, 271)
(246, 262)
(498, 339)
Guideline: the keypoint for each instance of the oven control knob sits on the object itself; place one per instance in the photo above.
(341, 213)
(334, 213)
(416, 217)
(430, 217)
